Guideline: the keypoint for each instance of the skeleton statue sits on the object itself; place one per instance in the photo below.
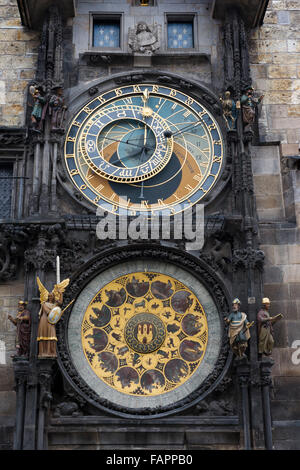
(229, 110)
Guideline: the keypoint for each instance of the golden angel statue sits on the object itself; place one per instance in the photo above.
(49, 315)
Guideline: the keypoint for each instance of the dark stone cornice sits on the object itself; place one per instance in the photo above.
(252, 11)
(32, 12)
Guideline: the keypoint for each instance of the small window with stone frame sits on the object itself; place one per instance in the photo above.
(181, 31)
(106, 31)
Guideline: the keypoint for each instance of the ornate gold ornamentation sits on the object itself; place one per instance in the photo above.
(144, 333)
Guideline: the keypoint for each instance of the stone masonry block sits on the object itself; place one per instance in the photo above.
(276, 291)
(270, 17)
(267, 184)
(7, 403)
(7, 381)
(275, 214)
(289, 149)
(293, 332)
(283, 17)
(291, 273)
(282, 71)
(269, 202)
(269, 251)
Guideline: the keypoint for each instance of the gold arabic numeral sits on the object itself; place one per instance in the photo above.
(71, 139)
(118, 92)
(74, 172)
(202, 114)
(82, 187)
(137, 89)
(212, 126)
(217, 159)
(76, 123)
(115, 208)
(204, 190)
(97, 199)
(154, 89)
(217, 142)
(173, 93)
(189, 101)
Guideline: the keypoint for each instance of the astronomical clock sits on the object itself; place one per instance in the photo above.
(145, 335)
(144, 148)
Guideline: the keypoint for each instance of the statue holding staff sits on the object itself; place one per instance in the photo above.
(23, 324)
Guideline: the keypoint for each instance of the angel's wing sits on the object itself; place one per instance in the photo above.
(43, 291)
(60, 288)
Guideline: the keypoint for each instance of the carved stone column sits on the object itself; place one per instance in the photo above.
(266, 365)
(243, 375)
(21, 366)
(45, 369)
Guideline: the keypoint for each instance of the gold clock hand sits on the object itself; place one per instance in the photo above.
(146, 111)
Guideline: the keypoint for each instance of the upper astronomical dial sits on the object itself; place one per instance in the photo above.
(142, 148)
(164, 144)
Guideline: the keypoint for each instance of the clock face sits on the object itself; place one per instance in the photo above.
(144, 334)
(144, 148)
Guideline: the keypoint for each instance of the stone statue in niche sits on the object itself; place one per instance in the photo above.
(265, 328)
(23, 324)
(229, 110)
(249, 105)
(38, 112)
(57, 108)
(238, 332)
(144, 39)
